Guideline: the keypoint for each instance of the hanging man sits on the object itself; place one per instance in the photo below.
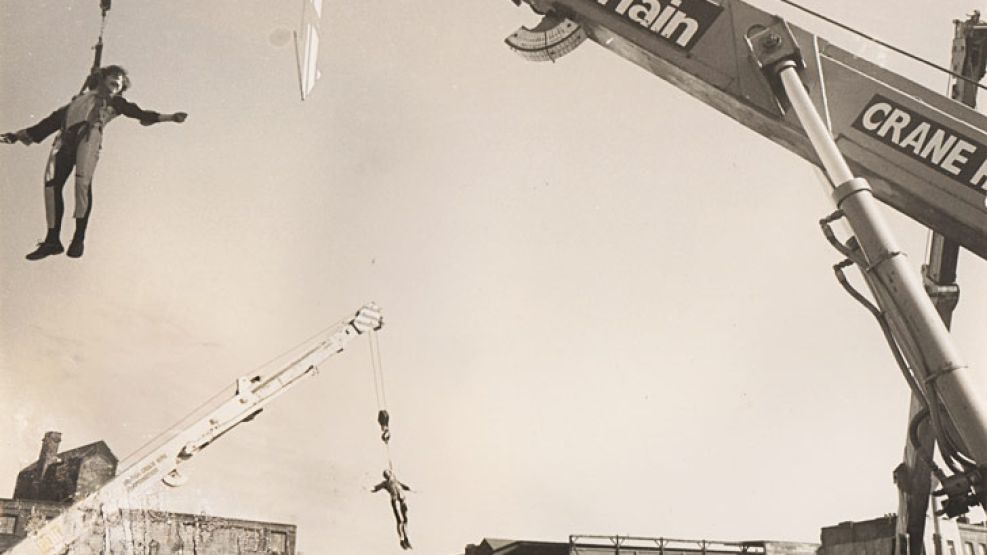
(80, 126)
(400, 508)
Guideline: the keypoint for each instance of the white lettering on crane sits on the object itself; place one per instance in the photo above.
(691, 26)
(645, 12)
(978, 178)
(923, 139)
(622, 7)
(678, 21)
(916, 137)
(882, 109)
(958, 155)
(939, 145)
(947, 150)
(896, 123)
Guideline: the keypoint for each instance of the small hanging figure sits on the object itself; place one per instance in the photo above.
(394, 487)
(80, 126)
(384, 420)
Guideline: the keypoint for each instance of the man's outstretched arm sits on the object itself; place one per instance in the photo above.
(37, 132)
(146, 117)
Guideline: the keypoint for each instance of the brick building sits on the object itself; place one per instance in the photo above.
(877, 537)
(65, 476)
(50, 485)
(868, 537)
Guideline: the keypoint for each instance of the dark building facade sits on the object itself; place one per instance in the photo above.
(490, 546)
(877, 537)
(635, 545)
(868, 537)
(65, 476)
(50, 485)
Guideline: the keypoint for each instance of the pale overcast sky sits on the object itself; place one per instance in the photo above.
(609, 307)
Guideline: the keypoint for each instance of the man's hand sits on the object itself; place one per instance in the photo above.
(18, 136)
(178, 117)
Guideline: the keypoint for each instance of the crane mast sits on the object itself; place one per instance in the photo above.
(914, 474)
(161, 465)
(878, 136)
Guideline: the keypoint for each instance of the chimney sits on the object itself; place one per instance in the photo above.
(49, 452)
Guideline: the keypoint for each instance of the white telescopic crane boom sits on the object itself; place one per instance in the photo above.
(161, 464)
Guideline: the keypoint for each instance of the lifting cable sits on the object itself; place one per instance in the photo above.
(879, 42)
(214, 401)
(383, 417)
(104, 6)
(378, 375)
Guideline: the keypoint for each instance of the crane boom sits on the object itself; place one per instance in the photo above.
(923, 154)
(914, 474)
(876, 134)
(161, 464)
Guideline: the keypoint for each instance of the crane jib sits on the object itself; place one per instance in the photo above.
(922, 153)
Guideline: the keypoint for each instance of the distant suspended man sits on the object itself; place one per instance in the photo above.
(398, 505)
(80, 126)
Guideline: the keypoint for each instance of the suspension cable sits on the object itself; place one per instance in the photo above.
(383, 418)
(377, 370)
(212, 402)
(877, 41)
(98, 47)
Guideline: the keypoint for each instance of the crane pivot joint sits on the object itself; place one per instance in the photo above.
(773, 44)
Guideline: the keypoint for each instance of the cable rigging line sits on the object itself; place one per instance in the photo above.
(880, 42)
(383, 418)
(104, 7)
(212, 402)
(378, 371)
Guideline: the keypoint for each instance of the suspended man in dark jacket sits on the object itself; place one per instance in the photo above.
(394, 487)
(79, 125)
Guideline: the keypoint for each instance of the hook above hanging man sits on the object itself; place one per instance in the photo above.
(384, 420)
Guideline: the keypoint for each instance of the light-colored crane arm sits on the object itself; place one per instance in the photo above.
(875, 133)
(923, 154)
(161, 464)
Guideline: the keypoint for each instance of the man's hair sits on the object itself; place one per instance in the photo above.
(102, 73)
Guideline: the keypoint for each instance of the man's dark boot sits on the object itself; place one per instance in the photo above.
(51, 245)
(78, 240)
